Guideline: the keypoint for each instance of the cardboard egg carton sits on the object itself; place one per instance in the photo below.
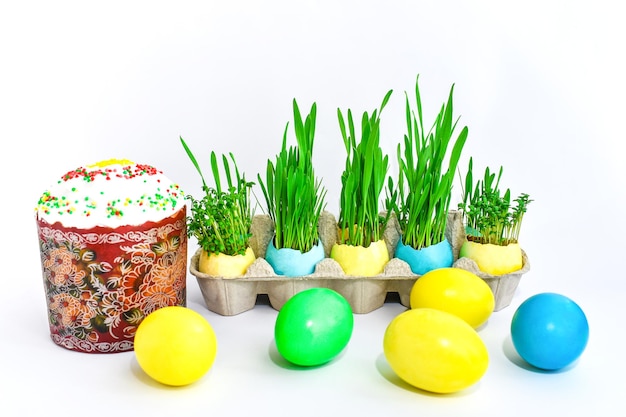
(231, 296)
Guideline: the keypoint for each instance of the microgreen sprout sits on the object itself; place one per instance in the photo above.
(424, 184)
(363, 179)
(294, 197)
(222, 218)
(489, 215)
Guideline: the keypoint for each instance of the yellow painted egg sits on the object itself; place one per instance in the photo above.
(435, 351)
(175, 345)
(455, 291)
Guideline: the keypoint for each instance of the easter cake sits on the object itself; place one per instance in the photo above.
(113, 243)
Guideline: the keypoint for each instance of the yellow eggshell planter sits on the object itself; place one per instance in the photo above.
(225, 266)
(359, 260)
(493, 259)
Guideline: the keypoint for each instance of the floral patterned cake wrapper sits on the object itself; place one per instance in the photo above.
(100, 283)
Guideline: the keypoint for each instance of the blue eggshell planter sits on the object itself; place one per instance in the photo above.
(292, 262)
(426, 259)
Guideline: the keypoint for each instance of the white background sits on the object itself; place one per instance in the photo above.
(540, 84)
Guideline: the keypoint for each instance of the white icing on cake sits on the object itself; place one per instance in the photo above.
(110, 193)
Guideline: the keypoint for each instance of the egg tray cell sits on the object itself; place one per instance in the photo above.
(232, 296)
